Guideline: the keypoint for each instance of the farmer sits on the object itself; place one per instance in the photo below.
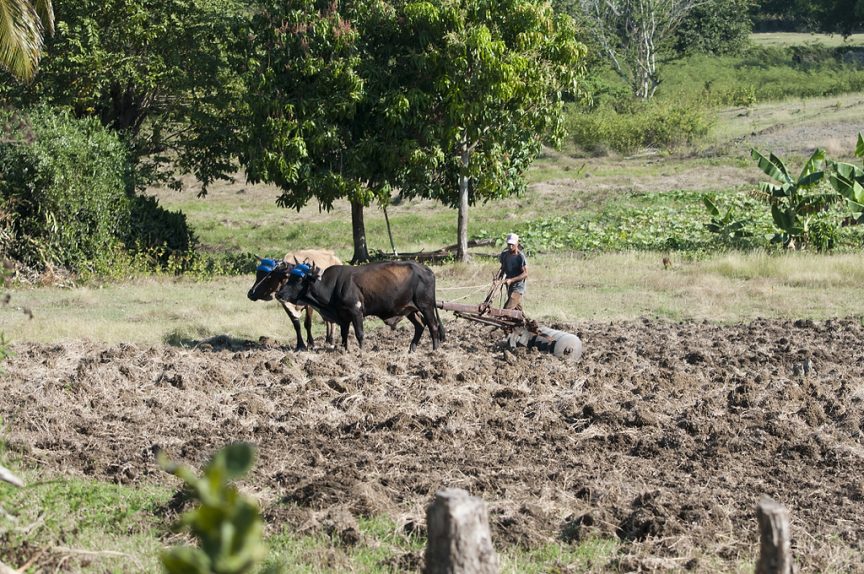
(514, 271)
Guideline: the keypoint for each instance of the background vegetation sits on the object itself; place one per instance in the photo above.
(138, 100)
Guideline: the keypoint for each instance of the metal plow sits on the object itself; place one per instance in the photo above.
(521, 331)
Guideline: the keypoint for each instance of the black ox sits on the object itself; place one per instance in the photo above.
(345, 295)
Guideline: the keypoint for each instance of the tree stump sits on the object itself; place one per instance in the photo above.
(459, 538)
(775, 541)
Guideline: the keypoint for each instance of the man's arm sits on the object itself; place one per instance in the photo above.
(518, 278)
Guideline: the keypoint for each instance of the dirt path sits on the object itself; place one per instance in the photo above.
(665, 436)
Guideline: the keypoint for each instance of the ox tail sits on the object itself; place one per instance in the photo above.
(441, 333)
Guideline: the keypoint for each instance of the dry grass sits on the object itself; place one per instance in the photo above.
(564, 288)
(779, 39)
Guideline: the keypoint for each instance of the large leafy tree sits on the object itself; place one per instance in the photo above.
(23, 24)
(485, 81)
(305, 130)
(161, 73)
(449, 100)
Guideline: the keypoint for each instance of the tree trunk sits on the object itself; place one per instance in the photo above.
(358, 229)
(462, 226)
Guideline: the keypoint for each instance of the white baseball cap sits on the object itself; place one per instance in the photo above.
(512, 239)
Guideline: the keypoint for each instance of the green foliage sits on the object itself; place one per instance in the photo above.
(22, 26)
(162, 74)
(638, 125)
(764, 74)
(727, 226)
(848, 181)
(795, 202)
(227, 524)
(154, 229)
(719, 27)
(493, 90)
(67, 200)
(304, 133)
(832, 16)
(64, 192)
(670, 221)
(357, 99)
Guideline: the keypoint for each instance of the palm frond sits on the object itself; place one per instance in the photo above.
(22, 25)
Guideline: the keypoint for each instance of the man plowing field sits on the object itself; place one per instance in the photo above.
(521, 331)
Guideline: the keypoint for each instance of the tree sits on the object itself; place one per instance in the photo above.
(23, 25)
(304, 132)
(831, 16)
(162, 74)
(715, 27)
(632, 34)
(484, 84)
(445, 100)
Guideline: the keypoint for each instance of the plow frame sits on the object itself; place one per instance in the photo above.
(506, 319)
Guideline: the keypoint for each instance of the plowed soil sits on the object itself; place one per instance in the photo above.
(664, 436)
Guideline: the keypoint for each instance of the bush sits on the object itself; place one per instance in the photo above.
(67, 199)
(637, 125)
(64, 191)
(153, 228)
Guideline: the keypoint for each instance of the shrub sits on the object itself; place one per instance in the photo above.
(226, 524)
(64, 191)
(635, 125)
(153, 228)
(718, 27)
(67, 199)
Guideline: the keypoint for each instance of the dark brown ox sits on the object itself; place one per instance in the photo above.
(391, 290)
(271, 275)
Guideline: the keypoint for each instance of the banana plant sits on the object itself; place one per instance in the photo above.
(794, 201)
(848, 180)
(725, 225)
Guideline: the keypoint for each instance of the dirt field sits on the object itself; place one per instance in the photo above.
(664, 436)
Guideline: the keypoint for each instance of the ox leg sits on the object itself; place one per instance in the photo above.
(329, 328)
(357, 320)
(308, 324)
(295, 320)
(344, 328)
(418, 331)
(429, 317)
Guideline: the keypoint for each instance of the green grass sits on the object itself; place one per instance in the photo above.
(87, 525)
(97, 527)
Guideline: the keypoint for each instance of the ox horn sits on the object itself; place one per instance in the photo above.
(260, 259)
(295, 261)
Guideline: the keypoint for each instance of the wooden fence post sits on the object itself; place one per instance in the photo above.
(775, 540)
(459, 538)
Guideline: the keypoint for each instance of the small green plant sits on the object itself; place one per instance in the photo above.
(730, 229)
(795, 202)
(848, 180)
(227, 524)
